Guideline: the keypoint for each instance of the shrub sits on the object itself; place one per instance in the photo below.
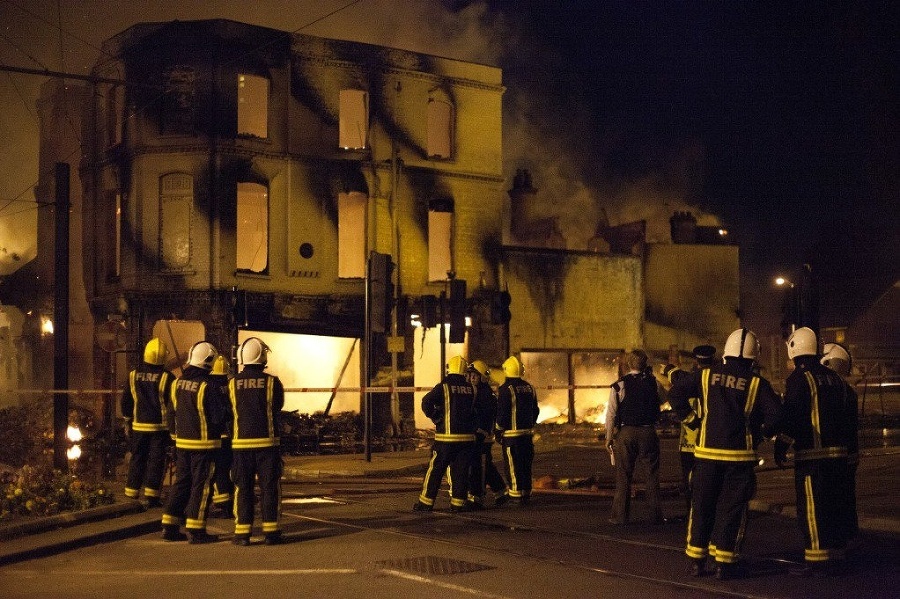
(43, 491)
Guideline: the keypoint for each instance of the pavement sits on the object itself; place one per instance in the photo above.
(878, 478)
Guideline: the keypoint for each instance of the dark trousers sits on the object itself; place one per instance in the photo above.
(483, 473)
(687, 467)
(455, 455)
(518, 458)
(223, 486)
(822, 506)
(719, 503)
(148, 462)
(190, 496)
(633, 444)
(263, 464)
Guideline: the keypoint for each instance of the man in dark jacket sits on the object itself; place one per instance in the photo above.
(201, 412)
(451, 406)
(256, 400)
(145, 406)
(631, 415)
(517, 413)
(819, 418)
(736, 408)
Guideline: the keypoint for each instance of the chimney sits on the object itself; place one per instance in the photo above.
(684, 227)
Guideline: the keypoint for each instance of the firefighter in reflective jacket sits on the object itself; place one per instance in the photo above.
(146, 405)
(818, 418)
(690, 426)
(222, 485)
(201, 412)
(257, 398)
(737, 408)
(517, 413)
(451, 406)
(483, 473)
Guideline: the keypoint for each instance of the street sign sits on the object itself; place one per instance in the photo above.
(111, 335)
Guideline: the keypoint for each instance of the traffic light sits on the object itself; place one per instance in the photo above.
(500, 313)
(457, 311)
(381, 292)
(429, 311)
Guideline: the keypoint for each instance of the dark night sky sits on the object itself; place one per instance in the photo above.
(778, 120)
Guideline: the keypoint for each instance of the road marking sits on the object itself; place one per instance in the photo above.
(304, 571)
(443, 585)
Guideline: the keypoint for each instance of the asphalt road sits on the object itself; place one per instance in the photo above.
(354, 537)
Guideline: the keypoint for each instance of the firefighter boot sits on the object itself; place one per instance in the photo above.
(171, 532)
(698, 566)
(274, 538)
(201, 537)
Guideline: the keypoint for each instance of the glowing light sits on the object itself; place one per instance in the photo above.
(46, 326)
(723, 232)
(73, 433)
(73, 453)
(781, 281)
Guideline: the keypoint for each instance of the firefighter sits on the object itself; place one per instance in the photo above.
(201, 413)
(631, 415)
(736, 408)
(222, 486)
(690, 426)
(257, 398)
(836, 357)
(451, 406)
(483, 473)
(517, 413)
(146, 405)
(817, 421)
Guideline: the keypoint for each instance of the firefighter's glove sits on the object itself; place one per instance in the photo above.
(781, 449)
(609, 446)
(498, 436)
(128, 430)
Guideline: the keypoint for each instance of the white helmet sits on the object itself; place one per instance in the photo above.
(253, 351)
(836, 357)
(202, 355)
(742, 343)
(802, 342)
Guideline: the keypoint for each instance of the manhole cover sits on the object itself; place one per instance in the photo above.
(431, 564)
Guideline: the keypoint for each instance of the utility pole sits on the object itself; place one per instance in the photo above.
(61, 320)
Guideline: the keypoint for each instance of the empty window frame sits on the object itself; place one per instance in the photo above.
(176, 205)
(440, 128)
(253, 105)
(352, 207)
(354, 119)
(252, 237)
(440, 239)
(178, 102)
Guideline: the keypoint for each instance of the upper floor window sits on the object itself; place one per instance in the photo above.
(113, 111)
(252, 236)
(354, 119)
(440, 128)
(253, 105)
(440, 238)
(176, 205)
(352, 234)
(178, 102)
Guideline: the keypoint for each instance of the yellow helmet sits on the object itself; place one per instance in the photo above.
(457, 365)
(481, 367)
(155, 352)
(512, 367)
(220, 366)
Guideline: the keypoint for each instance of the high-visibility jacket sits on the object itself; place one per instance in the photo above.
(517, 408)
(736, 408)
(201, 410)
(451, 406)
(256, 401)
(145, 398)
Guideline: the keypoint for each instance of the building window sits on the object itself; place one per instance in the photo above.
(354, 119)
(440, 237)
(114, 110)
(253, 106)
(176, 202)
(352, 234)
(178, 100)
(440, 128)
(252, 227)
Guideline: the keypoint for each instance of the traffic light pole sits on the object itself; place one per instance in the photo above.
(61, 320)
